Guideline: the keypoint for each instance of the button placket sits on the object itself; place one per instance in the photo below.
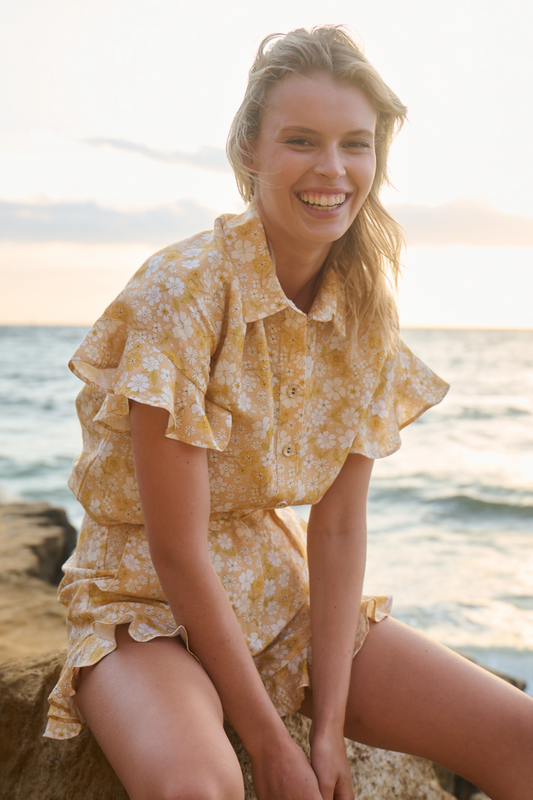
(292, 398)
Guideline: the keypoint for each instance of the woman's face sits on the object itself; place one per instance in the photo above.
(314, 159)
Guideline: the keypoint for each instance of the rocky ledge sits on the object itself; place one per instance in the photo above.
(35, 539)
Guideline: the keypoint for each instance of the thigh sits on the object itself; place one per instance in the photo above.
(410, 694)
(159, 720)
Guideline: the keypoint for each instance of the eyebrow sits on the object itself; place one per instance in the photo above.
(302, 129)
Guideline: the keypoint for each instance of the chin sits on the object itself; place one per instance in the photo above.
(327, 235)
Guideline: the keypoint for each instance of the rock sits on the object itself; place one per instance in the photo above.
(33, 768)
(35, 540)
(383, 774)
(377, 774)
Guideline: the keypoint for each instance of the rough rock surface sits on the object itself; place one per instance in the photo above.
(33, 768)
(35, 540)
(376, 774)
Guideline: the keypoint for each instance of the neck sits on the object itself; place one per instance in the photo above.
(298, 272)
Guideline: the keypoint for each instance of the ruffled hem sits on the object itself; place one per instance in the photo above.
(373, 609)
(286, 686)
(64, 719)
(150, 376)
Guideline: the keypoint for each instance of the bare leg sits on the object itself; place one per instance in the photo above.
(159, 720)
(412, 695)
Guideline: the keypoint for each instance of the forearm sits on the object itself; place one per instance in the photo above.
(336, 569)
(336, 541)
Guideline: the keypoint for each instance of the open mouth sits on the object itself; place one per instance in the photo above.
(324, 202)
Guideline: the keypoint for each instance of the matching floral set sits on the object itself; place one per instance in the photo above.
(279, 398)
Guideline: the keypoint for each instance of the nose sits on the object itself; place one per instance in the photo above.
(330, 163)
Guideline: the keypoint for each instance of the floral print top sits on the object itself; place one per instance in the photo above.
(279, 398)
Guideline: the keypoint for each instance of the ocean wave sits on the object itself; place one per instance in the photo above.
(28, 404)
(521, 601)
(59, 465)
(503, 504)
(496, 413)
(465, 504)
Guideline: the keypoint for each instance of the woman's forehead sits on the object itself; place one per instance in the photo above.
(306, 100)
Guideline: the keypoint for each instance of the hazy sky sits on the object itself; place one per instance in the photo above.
(114, 116)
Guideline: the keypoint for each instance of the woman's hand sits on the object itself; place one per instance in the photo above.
(281, 771)
(330, 764)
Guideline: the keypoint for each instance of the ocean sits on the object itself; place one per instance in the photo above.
(450, 514)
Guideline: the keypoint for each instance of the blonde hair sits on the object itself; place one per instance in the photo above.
(367, 256)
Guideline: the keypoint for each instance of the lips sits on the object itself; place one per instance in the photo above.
(322, 201)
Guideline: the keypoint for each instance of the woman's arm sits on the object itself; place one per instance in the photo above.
(336, 542)
(174, 489)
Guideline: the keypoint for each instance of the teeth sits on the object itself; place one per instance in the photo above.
(323, 200)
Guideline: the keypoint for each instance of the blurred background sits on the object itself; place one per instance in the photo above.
(114, 117)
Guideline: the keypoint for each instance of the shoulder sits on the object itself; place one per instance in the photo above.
(196, 273)
(199, 263)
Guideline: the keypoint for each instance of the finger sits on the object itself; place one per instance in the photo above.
(327, 792)
(344, 789)
(327, 786)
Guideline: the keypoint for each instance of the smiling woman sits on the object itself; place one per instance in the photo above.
(314, 165)
(343, 107)
(241, 371)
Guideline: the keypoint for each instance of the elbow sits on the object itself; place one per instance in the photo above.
(342, 533)
(179, 564)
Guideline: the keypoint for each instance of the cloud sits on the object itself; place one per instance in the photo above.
(90, 223)
(465, 221)
(461, 222)
(209, 158)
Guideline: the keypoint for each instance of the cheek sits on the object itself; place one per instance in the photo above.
(370, 170)
(366, 177)
(373, 169)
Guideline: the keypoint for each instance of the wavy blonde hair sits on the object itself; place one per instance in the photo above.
(367, 256)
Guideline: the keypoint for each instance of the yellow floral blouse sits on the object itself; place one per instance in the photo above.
(279, 397)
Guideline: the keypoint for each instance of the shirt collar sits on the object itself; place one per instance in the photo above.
(246, 246)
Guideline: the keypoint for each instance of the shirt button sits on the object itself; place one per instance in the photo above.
(288, 450)
(292, 391)
(282, 504)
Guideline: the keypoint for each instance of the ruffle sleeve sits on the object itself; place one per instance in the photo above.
(405, 388)
(154, 344)
(147, 375)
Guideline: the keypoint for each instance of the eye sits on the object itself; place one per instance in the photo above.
(358, 144)
(298, 141)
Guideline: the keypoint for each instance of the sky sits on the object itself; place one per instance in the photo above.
(114, 116)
